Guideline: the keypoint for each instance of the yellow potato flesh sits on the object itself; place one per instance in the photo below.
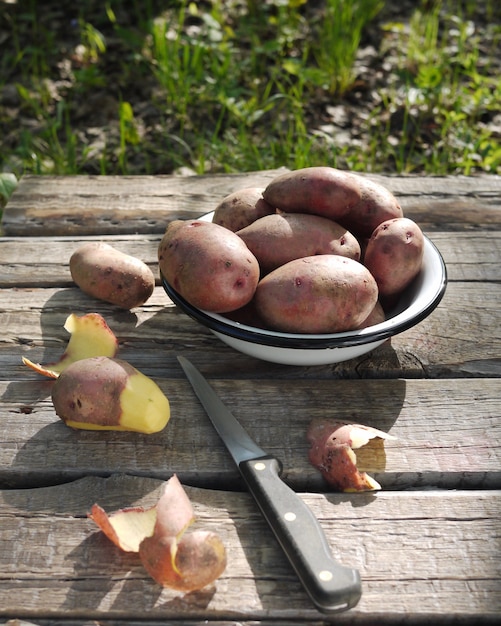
(131, 527)
(144, 407)
(90, 336)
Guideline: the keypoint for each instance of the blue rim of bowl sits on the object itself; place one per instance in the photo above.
(377, 333)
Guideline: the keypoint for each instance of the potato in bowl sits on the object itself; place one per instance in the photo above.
(416, 303)
(336, 269)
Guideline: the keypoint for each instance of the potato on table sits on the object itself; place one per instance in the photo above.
(101, 393)
(110, 275)
(277, 239)
(317, 294)
(208, 265)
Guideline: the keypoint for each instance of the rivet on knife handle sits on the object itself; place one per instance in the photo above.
(332, 587)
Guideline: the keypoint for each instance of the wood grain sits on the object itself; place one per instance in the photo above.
(87, 205)
(462, 337)
(435, 446)
(90, 205)
(427, 546)
(467, 257)
(45, 532)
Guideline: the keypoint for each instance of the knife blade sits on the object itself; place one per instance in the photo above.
(332, 587)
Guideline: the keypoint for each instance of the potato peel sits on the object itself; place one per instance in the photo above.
(174, 509)
(90, 336)
(175, 515)
(172, 557)
(200, 558)
(127, 527)
(332, 445)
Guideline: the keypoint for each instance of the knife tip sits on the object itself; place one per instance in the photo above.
(183, 361)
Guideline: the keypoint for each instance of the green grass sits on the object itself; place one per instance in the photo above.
(340, 31)
(445, 91)
(243, 85)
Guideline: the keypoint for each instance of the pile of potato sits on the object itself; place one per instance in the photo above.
(318, 250)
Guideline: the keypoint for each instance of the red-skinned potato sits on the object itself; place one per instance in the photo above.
(208, 265)
(376, 205)
(110, 275)
(240, 208)
(376, 316)
(319, 190)
(316, 294)
(394, 255)
(101, 393)
(277, 239)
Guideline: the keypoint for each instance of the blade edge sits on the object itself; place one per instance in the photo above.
(236, 439)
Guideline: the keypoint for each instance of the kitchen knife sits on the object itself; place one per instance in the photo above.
(332, 587)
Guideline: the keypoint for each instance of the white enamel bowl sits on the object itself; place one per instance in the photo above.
(418, 301)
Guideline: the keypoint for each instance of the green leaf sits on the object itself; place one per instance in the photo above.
(292, 66)
(8, 182)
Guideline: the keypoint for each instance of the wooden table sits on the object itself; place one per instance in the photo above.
(428, 545)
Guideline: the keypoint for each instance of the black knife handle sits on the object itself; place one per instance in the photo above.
(332, 587)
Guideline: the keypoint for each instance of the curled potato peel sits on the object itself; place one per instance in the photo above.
(90, 336)
(332, 445)
(173, 556)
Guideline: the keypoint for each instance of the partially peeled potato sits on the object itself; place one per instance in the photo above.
(95, 391)
(100, 393)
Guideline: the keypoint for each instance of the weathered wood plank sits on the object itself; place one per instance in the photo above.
(467, 257)
(478, 186)
(448, 433)
(426, 556)
(96, 205)
(55, 563)
(51, 257)
(123, 621)
(462, 337)
(101, 204)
